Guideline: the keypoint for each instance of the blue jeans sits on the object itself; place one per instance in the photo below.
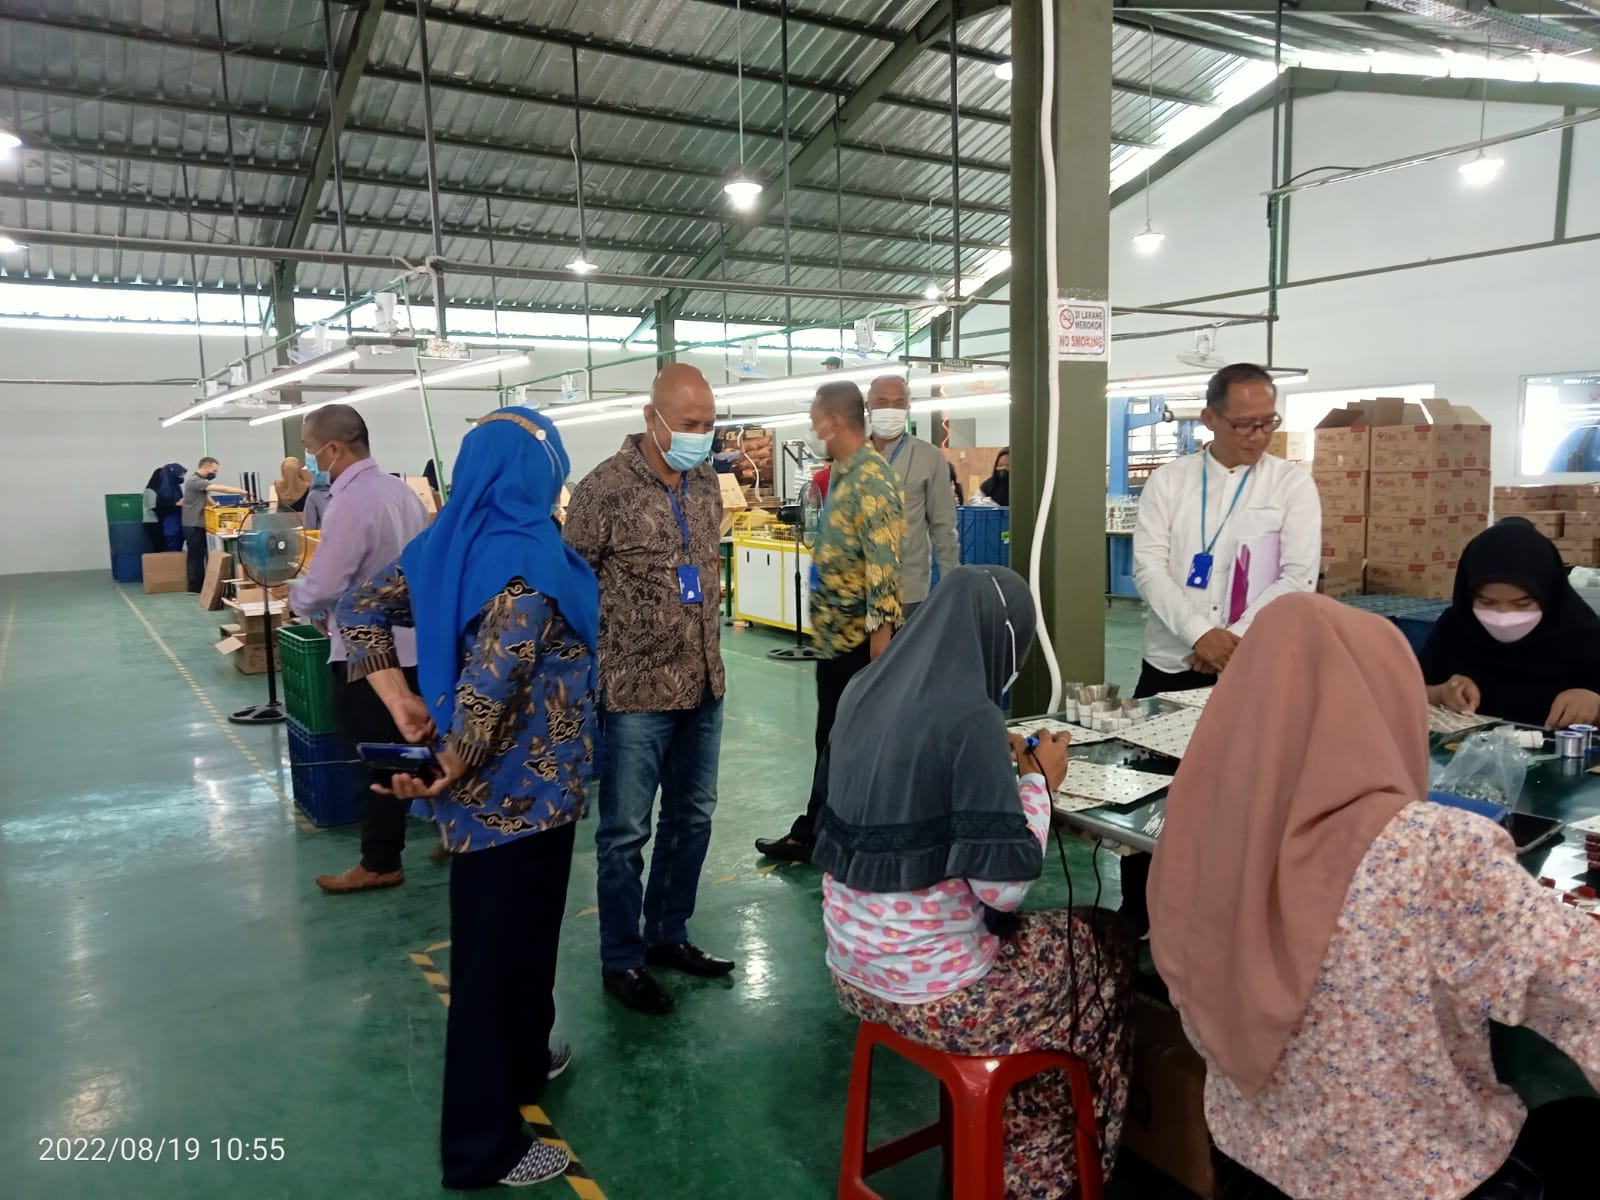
(676, 752)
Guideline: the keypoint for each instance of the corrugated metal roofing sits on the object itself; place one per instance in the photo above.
(126, 131)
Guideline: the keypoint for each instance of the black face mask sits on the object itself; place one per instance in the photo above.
(1002, 472)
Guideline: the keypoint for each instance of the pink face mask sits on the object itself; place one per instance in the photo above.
(1509, 626)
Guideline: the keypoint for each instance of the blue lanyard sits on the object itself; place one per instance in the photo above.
(1205, 480)
(678, 511)
(898, 446)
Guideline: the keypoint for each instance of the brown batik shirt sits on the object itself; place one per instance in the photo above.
(657, 654)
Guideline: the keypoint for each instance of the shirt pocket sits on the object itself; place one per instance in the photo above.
(1259, 518)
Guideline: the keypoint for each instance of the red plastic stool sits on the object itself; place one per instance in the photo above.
(970, 1130)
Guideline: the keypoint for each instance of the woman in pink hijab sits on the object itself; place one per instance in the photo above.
(1337, 945)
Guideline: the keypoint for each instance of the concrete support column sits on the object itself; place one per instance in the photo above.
(1073, 564)
(666, 333)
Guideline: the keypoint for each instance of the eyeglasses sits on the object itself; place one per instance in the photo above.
(1245, 428)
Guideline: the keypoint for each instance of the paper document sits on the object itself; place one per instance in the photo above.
(1256, 567)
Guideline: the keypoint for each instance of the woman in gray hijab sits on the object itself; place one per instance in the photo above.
(934, 830)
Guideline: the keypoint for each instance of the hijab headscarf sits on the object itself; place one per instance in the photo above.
(496, 527)
(998, 486)
(921, 785)
(293, 482)
(1520, 680)
(167, 483)
(1316, 736)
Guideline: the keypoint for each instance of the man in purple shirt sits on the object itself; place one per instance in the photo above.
(369, 519)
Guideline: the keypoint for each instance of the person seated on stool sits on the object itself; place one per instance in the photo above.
(930, 842)
(1194, 516)
(1517, 642)
(1337, 945)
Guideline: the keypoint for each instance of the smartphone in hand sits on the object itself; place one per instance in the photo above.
(400, 758)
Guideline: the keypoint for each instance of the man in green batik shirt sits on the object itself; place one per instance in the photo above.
(855, 580)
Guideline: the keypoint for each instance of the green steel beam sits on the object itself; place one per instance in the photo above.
(362, 34)
(1564, 178)
(1501, 91)
(820, 145)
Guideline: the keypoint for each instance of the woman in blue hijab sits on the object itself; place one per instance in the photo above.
(506, 619)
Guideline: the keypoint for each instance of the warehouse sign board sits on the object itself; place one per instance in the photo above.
(1083, 330)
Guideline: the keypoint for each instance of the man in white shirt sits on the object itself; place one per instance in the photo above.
(930, 504)
(1196, 515)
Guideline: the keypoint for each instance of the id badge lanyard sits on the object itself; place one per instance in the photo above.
(1200, 569)
(688, 574)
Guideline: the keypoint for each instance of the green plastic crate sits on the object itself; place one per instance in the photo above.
(124, 506)
(307, 681)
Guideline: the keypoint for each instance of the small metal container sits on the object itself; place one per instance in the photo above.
(1591, 733)
(1571, 743)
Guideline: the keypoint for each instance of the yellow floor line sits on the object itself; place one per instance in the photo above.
(577, 1176)
(217, 715)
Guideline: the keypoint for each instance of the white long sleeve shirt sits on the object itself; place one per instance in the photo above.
(1277, 497)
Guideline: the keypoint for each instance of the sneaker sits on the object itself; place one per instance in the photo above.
(540, 1163)
(560, 1060)
(359, 879)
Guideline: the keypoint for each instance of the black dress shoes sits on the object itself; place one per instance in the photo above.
(784, 849)
(689, 959)
(638, 991)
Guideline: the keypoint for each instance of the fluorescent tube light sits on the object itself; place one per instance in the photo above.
(325, 362)
(482, 366)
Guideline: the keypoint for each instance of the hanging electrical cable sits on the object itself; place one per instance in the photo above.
(583, 266)
(1148, 240)
(1047, 155)
(333, 135)
(1482, 168)
(742, 190)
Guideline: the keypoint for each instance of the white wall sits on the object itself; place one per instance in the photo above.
(66, 446)
(1472, 328)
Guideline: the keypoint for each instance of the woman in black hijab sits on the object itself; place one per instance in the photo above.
(933, 831)
(998, 486)
(1517, 642)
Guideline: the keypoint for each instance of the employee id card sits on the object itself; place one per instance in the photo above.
(689, 585)
(1200, 571)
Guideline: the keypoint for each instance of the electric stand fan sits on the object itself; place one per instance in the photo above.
(271, 551)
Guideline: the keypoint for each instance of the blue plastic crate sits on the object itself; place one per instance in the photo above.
(127, 537)
(985, 534)
(327, 787)
(127, 568)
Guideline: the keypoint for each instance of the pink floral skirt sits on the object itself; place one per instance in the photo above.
(1063, 982)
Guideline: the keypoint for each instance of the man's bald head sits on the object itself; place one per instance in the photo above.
(680, 401)
(888, 391)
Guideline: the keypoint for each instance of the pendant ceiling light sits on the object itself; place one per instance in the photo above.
(1148, 240)
(1482, 168)
(8, 141)
(742, 190)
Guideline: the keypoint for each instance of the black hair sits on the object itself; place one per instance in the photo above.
(833, 361)
(1217, 389)
(843, 399)
(338, 423)
(1004, 453)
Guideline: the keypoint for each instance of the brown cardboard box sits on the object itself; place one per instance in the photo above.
(1524, 498)
(1343, 493)
(1428, 493)
(1344, 537)
(1422, 581)
(1344, 436)
(1580, 526)
(1451, 438)
(1579, 497)
(167, 571)
(1166, 1119)
(1552, 524)
(1579, 552)
(1296, 447)
(1421, 539)
(249, 649)
(1341, 577)
(219, 571)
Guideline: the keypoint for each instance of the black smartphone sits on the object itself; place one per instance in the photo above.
(1529, 832)
(402, 759)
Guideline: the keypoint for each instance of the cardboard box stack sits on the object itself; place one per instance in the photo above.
(1421, 476)
(245, 637)
(1568, 514)
(167, 571)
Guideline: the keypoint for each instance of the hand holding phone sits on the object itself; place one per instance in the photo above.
(401, 758)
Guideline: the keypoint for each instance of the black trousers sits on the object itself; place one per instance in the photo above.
(363, 717)
(833, 676)
(1549, 1161)
(506, 905)
(1135, 868)
(194, 541)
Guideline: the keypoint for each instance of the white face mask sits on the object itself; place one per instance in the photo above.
(889, 423)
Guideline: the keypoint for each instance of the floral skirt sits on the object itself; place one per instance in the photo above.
(1062, 982)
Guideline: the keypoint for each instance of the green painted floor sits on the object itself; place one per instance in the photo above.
(168, 969)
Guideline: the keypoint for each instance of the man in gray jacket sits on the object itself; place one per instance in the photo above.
(930, 504)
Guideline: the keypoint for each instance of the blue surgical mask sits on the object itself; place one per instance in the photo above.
(686, 451)
(320, 478)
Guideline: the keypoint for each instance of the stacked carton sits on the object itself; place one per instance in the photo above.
(1340, 460)
(1423, 477)
(1567, 514)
